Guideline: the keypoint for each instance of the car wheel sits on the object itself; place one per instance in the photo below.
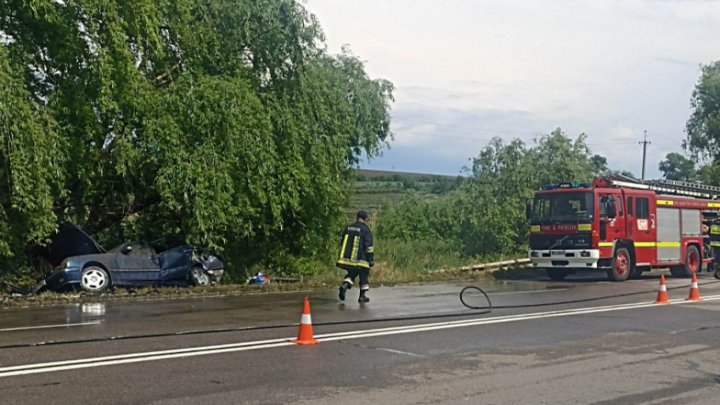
(198, 276)
(94, 279)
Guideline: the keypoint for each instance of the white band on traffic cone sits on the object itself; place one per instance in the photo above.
(306, 319)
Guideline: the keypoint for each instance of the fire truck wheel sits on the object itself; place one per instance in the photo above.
(556, 274)
(622, 265)
(693, 263)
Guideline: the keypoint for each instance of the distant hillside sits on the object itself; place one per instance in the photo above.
(372, 174)
(374, 189)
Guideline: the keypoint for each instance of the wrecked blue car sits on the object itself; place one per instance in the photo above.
(81, 262)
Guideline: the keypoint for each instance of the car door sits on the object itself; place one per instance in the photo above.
(136, 266)
(175, 264)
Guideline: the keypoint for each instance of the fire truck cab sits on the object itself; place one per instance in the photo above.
(621, 226)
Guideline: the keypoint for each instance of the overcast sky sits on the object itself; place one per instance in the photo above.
(468, 70)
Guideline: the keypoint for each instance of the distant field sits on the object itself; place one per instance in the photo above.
(375, 189)
(384, 173)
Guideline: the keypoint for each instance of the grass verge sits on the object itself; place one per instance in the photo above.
(381, 275)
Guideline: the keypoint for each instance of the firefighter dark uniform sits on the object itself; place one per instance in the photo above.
(356, 256)
(715, 245)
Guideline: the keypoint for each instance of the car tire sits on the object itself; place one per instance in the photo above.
(94, 279)
(198, 276)
(622, 265)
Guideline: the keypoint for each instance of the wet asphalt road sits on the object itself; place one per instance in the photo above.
(535, 354)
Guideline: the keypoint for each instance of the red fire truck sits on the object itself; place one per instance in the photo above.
(622, 226)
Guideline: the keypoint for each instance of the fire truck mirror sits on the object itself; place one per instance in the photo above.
(610, 209)
(528, 210)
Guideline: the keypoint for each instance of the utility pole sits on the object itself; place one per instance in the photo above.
(644, 143)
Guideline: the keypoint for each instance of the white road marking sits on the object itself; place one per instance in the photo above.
(529, 292)
(400, 352)
(59, 325)
(26, 369)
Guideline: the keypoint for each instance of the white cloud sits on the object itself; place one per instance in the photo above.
(467, 69)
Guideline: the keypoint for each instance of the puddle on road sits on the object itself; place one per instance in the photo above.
(86, 312)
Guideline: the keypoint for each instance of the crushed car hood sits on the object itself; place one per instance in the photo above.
(69, 241)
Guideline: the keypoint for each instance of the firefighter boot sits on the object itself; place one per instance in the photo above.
(343, 289)
(363, 298)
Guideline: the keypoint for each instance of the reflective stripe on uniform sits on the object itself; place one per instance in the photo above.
(344, 245)
(357, 263)
(356, 244)
(371, 249)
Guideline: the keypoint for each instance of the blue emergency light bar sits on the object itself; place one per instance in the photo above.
(567, 185)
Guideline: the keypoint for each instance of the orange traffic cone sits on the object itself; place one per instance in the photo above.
(305, 333)
(694, 290)
(662, 296)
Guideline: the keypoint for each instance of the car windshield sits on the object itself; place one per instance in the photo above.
(563, 207)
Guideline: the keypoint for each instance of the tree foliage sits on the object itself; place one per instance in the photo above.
(678, 167)
(486, 215)
(703, 127)
(226, 123)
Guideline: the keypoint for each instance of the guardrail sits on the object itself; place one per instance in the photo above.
(498, 265)
(516, 263)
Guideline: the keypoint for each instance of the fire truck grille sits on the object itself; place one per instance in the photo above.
(580, 240)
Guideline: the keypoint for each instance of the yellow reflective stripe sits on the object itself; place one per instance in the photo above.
(584, 227)
(664, 202)
(646, 244)
(371, 249)
(715, 229)
(714, 205)
(356, 245)
(714, 243)
(358, 263)
(344, 245)
(535, 228)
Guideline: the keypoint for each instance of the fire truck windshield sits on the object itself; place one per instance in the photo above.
(563, 207)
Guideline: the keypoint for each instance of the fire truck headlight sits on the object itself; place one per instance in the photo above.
(585, 254)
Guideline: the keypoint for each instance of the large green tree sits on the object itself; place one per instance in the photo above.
(678, 167)
(225, 123)
(30, 165)
(703, 127)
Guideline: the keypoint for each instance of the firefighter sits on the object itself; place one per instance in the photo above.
(356, 256)
(715, 245)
